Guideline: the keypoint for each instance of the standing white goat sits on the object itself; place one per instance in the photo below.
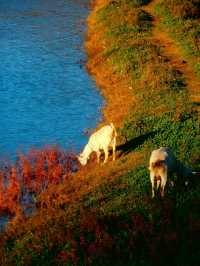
(100, 140)
(162, 163)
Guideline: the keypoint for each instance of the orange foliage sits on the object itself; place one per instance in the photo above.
(31, 175)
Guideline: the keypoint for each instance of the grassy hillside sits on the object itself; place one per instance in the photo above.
(104, 215)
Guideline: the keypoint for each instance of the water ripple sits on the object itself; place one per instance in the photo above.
(46, 95)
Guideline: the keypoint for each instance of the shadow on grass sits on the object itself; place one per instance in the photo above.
(196, 104)
(134, 143)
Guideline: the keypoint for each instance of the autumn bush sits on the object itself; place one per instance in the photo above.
(21, 182)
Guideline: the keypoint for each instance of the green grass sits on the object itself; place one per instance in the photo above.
(136, 24)
(181, 134)
(162, 117)
(140, 225)
(181, 19)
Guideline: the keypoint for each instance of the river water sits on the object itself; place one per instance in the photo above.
(46, 95)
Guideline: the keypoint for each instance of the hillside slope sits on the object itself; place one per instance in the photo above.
(104, 214)
(172, 48)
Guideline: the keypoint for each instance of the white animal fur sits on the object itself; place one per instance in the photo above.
(100, 140)
(162, 163)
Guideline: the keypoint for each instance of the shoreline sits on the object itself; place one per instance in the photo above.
(116, 91)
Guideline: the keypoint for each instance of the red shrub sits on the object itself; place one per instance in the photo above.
(31, 175)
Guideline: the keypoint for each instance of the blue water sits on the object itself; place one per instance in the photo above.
(46, 95)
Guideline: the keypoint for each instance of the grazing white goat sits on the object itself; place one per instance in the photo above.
(100, 140)
(162, 163)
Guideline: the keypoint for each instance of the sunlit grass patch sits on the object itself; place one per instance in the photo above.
(132, 59)
(121, 194)
(183, 8)
(123, 22)
(179, 133)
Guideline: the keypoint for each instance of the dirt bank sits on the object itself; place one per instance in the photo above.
(117, 92)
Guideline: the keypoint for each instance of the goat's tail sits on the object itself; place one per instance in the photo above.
(196, 173)
(157, 164)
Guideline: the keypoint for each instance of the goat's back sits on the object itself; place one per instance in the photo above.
(103, 137)
(162, 157)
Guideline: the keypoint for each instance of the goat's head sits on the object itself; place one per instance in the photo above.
(82, 159)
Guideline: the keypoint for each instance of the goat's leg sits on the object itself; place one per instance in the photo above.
(114, 148)
(106, 155)
(163, 183)
(98, 156)
(152, 178)
(158, 183)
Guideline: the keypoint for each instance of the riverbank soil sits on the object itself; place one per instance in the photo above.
(115, 89)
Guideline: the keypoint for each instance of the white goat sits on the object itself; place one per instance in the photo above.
(100, 140)
(162, 163)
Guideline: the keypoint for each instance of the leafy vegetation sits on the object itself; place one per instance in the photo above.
(105, 215)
